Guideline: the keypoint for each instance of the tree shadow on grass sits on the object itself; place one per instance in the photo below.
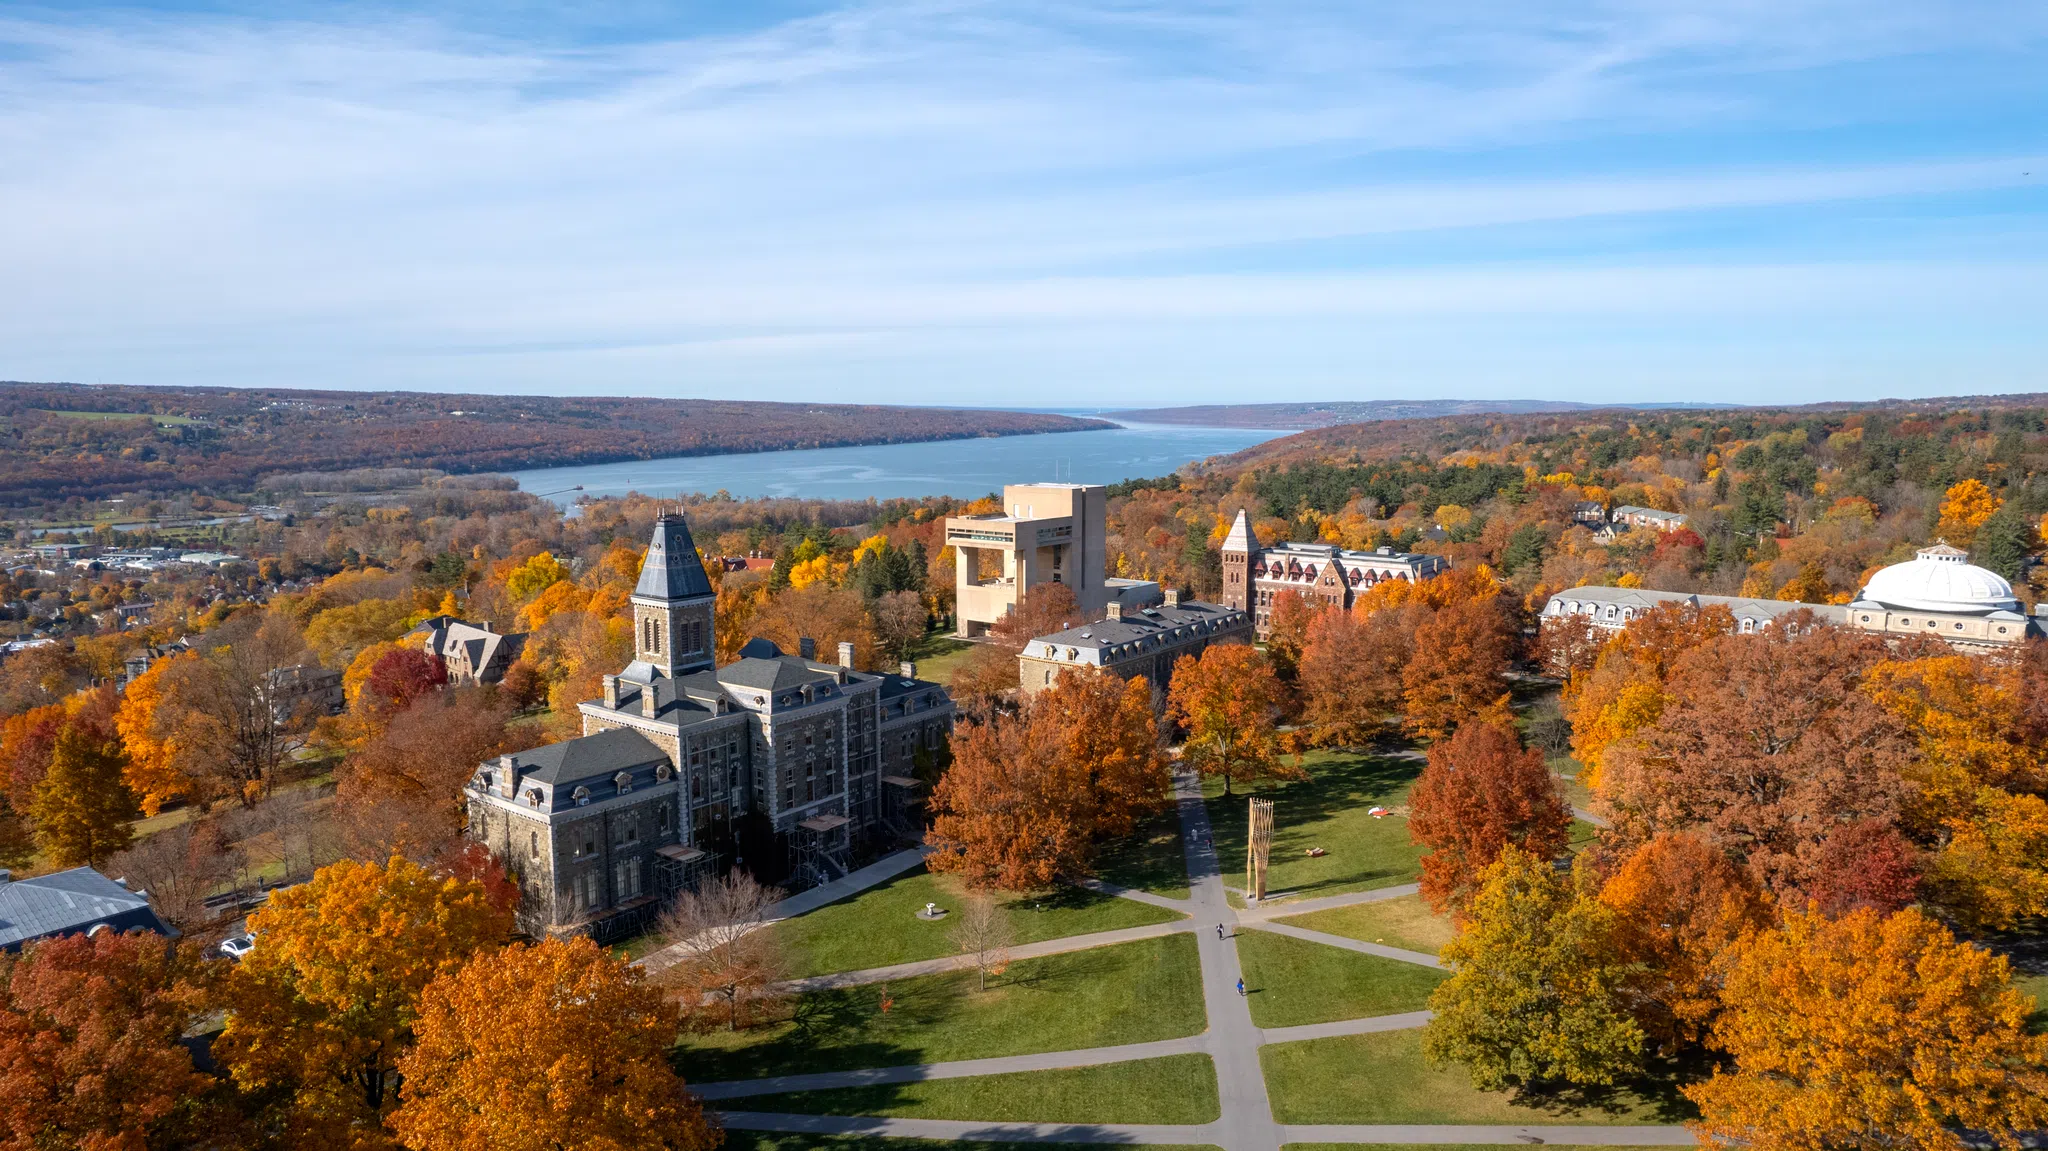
(1657, 1089)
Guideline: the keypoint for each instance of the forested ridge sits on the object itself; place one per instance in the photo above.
(63, 441)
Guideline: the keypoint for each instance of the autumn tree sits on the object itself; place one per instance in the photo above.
(1964, 508)
(323, 1009)
(1993, 871)
(161, 766)
(1869, 1031)
(726, 954)
(1568, 646)
(1349, 681)
(1482, 792)
(179, 866)
(823, 613)
(1623, 692)
(1461, 652)
(989, 673)
(400, 678)
(1109, 731)
(90, 1056)
(983, 934)
(402, 790)
(1535, 994)
(1768, 746)
(1287, 631)
(900, 619)
(1225, 704)
(83, 805)
(557, 1046)
(1011, 811)
(1679, 903)
(241, 717)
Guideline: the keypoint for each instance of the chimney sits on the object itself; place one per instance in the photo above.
(1173, 597)
(806, 647)
(509, 768)
(611, 692)
(650, 703)
(1115, 610)
(907, 669)
(6, 876)
(845, 653)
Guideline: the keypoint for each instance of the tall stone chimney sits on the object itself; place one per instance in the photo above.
(1173, 597)
(1115, 610)
(907, 669)
(611, 692)
(806, 647)
(508, 767)
(846, 653)
(650, 703)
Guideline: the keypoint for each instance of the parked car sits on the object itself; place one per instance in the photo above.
(236, 946)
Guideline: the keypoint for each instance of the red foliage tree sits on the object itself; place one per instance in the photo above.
(403, 676)
(1866, 864)
(1481, 792)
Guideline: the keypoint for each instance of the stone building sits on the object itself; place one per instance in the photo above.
(473, 653)
(1146, 641)
(779, 762)
(1253, 575)
(1936, 593)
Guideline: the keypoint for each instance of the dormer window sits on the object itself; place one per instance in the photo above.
(625, 782)
(483, 779)
(533, 797)
(582, 796)
(663, 773)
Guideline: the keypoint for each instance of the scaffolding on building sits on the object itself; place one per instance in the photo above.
(900, 799)
(818, 851)
(679, 868)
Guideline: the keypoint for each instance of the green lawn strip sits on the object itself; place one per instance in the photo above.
(738, 1140)
(1326, 810)
(1174, 1089)
(938, 654)
(1292, 981)
(1405, 923)
(1582, 834)
(1382, 1078)
(879, 927)
(1149, 859)
(1103, 997)
(2036, 986)
(1456, 1147)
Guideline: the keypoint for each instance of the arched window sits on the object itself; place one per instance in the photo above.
(582, 796)
(625, 782)
(533, 844)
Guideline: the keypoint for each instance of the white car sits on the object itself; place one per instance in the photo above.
(236, 946)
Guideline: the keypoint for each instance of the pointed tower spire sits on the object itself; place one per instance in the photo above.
(672, 605)
(672, 569)
(1240, 537)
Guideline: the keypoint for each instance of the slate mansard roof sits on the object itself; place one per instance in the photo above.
(69, 901)
(597, 756)
(1171, 624)
(672, 570)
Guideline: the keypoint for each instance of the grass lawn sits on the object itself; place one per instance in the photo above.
(1458, 1147)
(1326, 810)
(1382, 1078)
(879, 926)
(938, 654)
(737, 1140)
(1292, 981)
(2036, 986)
(1405, 923)
(171, 421)
(1575, 793)
(1149, 859)
(1131, 993)
(1175, 1089)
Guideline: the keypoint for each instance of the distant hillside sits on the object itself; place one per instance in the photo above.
(1324, 415)
(73, 441)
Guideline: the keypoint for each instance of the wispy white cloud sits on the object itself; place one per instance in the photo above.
(200, 200)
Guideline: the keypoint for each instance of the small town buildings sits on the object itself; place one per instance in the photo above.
(1936, 593)
(782, 762)
(302, 690)
(1589, 513)
(1631, 516)
(1046, 533)
(1145, 641)
(65, 902)
(1253, 575)
(473, 653)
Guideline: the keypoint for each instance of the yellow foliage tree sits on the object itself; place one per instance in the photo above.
(324, 1007)
(1993, 872)
(1963, 510)
(158, 764)
(1870, 1032)
(339, 633)
(558, 1046)
(816, 570)
(558, 597)
(535, 576)
(1809, 586)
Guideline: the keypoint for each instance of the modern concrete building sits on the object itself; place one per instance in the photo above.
(1937, 593)
(1046, 533)
(786, 761)
(1253, 575)
(1146, 641)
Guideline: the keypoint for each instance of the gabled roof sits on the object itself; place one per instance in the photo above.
(672, 569)
(588, 757)
(68, 901)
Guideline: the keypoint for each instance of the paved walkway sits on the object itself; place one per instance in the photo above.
(1184, 906)
(1406, 1021)
(1420, 958)
(954, 1129)
(880, 871)
(946, 963)
(1272, 910)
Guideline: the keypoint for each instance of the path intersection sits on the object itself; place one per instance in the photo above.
(1232, 1040)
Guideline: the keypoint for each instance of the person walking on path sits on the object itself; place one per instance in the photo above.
(1240, 987)
(1219, 931)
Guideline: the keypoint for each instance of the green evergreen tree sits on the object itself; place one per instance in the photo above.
(83, 805)
(1524, 549)
(2005, 541)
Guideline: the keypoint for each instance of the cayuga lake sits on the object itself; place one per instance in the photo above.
(959, 468)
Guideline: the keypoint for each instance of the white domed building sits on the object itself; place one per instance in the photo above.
(1938, 592)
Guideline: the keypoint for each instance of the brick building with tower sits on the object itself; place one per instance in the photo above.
(1253, 575)
(781, 762)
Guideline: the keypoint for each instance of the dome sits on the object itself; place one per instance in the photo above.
(1941, 578)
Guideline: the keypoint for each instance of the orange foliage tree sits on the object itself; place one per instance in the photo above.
(1287, 631)
(559, 1045)
(1679, 904)
(1350, 678)
(160, 767)
(1482, 792)
(1032, 797)
(89, 1044)
(1870, 1032)
(1461, 652)
(1225, 702)
(1623, 692)
(1964, 508)
(324, 1007)
(402, 789)
(989, 673)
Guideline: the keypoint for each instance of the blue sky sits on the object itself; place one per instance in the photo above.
(1054, 202)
